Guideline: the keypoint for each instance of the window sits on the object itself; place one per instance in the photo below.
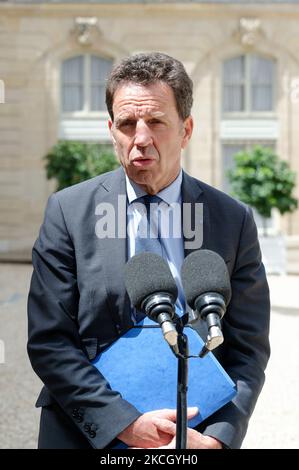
(248, 84)
(72, 84)
(83, 110)
(83, 84)
(248, 105)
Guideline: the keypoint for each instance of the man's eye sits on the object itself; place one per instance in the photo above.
(155, 121)
(127, 123)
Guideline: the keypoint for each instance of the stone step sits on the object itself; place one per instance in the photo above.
(293, 268)
(283, 293)
(293, 256)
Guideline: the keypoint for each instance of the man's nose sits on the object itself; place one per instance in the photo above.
(143, 135)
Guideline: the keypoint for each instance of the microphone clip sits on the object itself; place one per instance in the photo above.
(159, 308)
(211, 308)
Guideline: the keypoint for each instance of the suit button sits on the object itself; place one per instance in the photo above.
(78, 414)
(87, 427)
(92, 434)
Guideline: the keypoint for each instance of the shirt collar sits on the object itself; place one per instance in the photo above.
(170, 194)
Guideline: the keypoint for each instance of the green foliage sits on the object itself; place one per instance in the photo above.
(71, 162)
(263, 181)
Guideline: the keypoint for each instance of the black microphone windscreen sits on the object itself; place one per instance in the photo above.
(146, 274)
(205, 271)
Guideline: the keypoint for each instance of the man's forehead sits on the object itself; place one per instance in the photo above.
(133, 100)
(133, 111)
(154, 94)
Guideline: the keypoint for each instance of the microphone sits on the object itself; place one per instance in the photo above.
(153, 290)
(207, 288)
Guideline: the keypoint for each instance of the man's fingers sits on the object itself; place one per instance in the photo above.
(168, 414)
(165, 425)
(192, 411)
(171, 414)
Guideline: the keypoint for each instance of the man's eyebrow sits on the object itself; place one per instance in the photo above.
(127, 116)
(157, 114)
(123, 118)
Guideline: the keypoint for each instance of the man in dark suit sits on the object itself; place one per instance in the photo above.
(78, 303)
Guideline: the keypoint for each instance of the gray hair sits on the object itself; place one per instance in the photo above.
(148, 68)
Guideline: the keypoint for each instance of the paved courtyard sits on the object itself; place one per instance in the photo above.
(275, 420)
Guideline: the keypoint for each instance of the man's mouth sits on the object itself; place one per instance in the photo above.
(142, 161)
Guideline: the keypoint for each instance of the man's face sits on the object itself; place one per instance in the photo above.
(148, 134)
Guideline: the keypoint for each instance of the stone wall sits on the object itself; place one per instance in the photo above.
(34, 39)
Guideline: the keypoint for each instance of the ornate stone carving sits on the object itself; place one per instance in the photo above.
(85, 28)
(249, 31)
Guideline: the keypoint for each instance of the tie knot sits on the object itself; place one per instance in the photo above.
(149, 199)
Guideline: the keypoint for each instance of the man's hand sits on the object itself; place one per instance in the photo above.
(146, 432)
(195, 440)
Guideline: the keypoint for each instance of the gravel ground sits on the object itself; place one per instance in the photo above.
(275, 420)
(18, 383)
(274, 423)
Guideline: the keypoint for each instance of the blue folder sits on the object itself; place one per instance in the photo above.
(141, 366)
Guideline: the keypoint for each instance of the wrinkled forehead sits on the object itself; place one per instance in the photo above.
(137, 112)
(154, 99)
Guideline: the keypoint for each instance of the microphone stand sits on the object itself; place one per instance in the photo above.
(181, 351)
(163, 316)
(182, 388)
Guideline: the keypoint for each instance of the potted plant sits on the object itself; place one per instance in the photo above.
(71, 162)
(264, 182)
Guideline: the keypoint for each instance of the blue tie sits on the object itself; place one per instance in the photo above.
(149, 228)
(148, 239)
(148, 233)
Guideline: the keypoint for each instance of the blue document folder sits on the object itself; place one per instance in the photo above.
(141, 366)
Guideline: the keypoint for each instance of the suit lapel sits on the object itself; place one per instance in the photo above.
(213, 238)
(193, 194)
(112, 191)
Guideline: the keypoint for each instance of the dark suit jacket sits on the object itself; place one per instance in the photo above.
(78, 305)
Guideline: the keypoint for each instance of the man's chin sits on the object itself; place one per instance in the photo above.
(141, 175)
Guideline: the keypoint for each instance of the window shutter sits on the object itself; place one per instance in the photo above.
(72, 84)
(100, 69)
(234, 84)
(261, 80)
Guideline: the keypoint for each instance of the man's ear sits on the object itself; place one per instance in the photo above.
(110, 125)
(188, 129)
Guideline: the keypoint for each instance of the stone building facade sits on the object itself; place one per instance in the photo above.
(50, 53)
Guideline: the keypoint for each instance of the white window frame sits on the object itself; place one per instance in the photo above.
(247, 113)
(86, 111)
(84, 125)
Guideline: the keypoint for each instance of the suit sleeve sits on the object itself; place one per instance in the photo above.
(54, 345)
(246, 347)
